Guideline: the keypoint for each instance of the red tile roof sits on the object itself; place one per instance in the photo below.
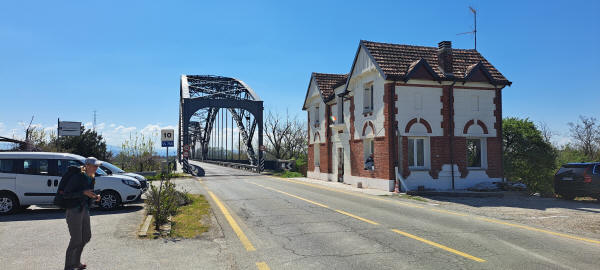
(394, 60)
(328, 82)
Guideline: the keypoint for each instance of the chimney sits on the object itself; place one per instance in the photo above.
(445, 58)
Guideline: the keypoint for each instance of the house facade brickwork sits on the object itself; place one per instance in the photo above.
(419, 117)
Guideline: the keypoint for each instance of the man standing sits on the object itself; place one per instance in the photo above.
(79, 196)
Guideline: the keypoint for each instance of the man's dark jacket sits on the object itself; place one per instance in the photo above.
(73, 192)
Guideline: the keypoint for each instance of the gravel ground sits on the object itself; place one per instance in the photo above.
(576, 217)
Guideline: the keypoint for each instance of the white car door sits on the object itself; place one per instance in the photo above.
(35, 184)
(7, 175)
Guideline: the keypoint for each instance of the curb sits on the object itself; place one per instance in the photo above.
(144, 231)
(457, 194)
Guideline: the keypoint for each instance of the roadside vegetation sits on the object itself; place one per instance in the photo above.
(160, 176)
(287, 139)
(532, 157)
(191, 220)
(288, 174)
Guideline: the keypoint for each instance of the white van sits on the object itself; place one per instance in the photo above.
(28, 178)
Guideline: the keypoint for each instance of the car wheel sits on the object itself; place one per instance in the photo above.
(110, 200)
(8, 204)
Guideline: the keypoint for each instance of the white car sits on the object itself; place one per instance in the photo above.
(111, 169)
(32, 178)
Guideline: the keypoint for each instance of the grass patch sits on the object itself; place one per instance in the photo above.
(412, 197)
(172, 175)
(288, 174)
(188, 221)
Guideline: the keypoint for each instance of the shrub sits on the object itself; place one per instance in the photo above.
(164, 202)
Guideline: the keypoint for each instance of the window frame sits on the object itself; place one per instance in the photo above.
(426, 153)
(317, 111)
(317, 155)
(340, 109)
(483, 153)
(368, 88)
(13, 169)
(371, 148)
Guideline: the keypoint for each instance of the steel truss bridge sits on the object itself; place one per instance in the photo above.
(218, 118)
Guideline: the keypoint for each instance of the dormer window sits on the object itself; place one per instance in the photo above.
(341, 110)
(316, 115)
(368, 98)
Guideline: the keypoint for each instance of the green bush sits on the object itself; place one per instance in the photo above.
(527, 156)
(164, 202)
(161, 175)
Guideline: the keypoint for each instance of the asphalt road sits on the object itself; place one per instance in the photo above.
(295, 225)
(261, 222)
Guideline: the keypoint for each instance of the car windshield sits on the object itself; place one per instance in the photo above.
(112, 168)
(100, 172)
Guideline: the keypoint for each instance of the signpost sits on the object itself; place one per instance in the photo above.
(68, 128)
(167, 140)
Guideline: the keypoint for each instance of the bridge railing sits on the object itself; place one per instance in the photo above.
(240, 166)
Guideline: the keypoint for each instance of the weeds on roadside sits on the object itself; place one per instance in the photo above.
(164, 201)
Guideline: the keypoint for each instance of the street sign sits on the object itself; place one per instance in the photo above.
(167, 137)
(68, 128)
(167, 143)
(186, 154)
(263, 148)
(186, 147)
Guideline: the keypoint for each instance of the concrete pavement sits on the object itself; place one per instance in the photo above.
(262, 222)
(298, 226)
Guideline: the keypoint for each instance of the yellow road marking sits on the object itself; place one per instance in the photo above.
(262, 266)
(375, 223)
(357, 217)
(348, 192)
(539, 230)
(292, 195)
(448, 212)
(439, 246)
(233, 223)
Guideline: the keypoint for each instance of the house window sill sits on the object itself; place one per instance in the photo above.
(418, 169)
(476, 169)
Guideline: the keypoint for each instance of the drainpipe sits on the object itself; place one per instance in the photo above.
(451, 124)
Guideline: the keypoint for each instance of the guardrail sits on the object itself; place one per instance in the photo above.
(240, 166)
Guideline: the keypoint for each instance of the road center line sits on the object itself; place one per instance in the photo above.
(262, 266)
(490, 220)
(236, 228)
(357, 217)
(451, 250)
(477, 259)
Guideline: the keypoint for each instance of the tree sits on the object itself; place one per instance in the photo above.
(286, 138)
(138, 153)
(528, 157)
(276, 130)
(586, 134)
(88, 144)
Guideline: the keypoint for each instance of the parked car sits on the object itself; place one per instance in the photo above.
(32, 178)
(111, 169)
(578, 180)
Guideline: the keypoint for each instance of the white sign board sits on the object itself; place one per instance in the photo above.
(167, 137)
(66, 128)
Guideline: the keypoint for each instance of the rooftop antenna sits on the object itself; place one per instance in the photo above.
(474, 32)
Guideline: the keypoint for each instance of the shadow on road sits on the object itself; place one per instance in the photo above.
(522, 200)
(57, 213)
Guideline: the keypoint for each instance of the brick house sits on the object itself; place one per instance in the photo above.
(429, 116)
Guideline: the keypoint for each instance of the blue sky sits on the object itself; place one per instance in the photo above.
(124, 58)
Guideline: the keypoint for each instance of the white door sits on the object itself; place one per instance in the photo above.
(35, 183)
(7, 175)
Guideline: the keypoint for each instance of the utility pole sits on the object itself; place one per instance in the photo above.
(94, 127)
